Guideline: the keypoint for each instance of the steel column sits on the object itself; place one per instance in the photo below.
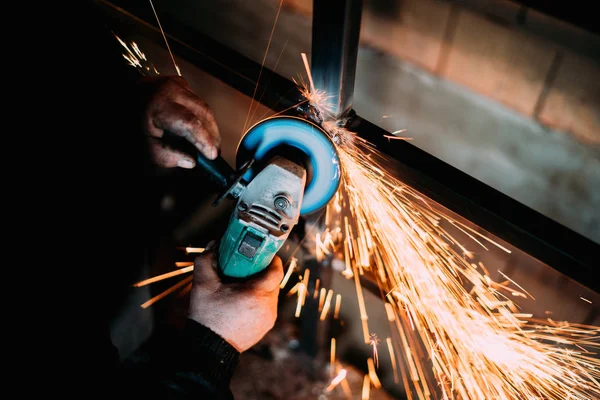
(335, 36)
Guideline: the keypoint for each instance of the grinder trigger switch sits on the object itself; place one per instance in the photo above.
(250, 245)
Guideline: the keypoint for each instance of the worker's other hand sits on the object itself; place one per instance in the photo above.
(173, 106)
(241, 312)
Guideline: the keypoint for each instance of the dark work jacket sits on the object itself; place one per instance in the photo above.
(103, 220)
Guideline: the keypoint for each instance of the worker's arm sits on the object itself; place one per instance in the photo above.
(196, 364)
(204, 365)
(225, 319)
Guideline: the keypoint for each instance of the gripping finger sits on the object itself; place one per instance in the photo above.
(205, 271)
(271, 277)
(166, 157)
(203, 112)
(182, 121)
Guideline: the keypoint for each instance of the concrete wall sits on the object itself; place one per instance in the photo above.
(540, 66)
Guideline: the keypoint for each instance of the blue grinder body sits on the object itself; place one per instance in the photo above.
(245, 251)
(287, 167)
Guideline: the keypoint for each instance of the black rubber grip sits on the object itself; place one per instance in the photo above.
(218, 170)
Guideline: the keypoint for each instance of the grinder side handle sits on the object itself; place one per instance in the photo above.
(218, 170)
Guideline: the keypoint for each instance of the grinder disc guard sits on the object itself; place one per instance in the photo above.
(279, 135)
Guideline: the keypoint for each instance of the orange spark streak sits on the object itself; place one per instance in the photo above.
(336, 381)
(163, 276)
(344, 384)
(317, 97)
(389, 311)
(180, 264)
(318, 251)
(362, 308)
(338, 304)
(165, 38)
(189, 250)
(516, 284)
(167, 292)
(366, 387)
(393, 358)
(332, 357)
(322, 298)
(266, 84)
(185, 290)
(305, 282)
(307, 67)
(294, 289)
(326, 305)
(262, 65)
(397, 137)
(291, 269)
(374, 341)
(136, 58)
(372, 374)
(479, 234)
(301, 296)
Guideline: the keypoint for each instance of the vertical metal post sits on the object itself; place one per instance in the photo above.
(335, 36)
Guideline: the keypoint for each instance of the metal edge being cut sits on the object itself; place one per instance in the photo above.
(270, 133)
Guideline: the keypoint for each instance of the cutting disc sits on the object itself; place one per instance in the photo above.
(268, 136)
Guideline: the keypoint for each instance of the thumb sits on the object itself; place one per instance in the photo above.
(166, 157)
(271, 277)
(205, 268)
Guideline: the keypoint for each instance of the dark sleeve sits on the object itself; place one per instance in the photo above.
(196, 364)
(205, 366)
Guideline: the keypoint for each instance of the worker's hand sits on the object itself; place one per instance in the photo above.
(173, 106)
(241, 313)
